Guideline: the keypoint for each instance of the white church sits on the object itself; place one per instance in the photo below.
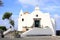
(36, 23)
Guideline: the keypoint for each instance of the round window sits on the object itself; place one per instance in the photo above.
(36, 15)
(22, 19)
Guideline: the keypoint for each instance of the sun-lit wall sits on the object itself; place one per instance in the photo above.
(27, 19)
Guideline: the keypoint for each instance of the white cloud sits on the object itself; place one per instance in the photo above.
(30, 2)
(57, 19)
(48, 5)
(51, 8)
(33, 2)
(39, 2)
(56, 16)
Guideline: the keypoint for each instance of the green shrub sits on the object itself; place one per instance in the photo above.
(3, 28)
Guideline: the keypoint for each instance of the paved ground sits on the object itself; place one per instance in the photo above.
(34, 38)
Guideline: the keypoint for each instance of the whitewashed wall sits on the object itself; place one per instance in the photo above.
(28, 20)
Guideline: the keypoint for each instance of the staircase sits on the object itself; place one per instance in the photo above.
(37, 32)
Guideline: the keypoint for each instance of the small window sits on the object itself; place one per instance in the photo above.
(36, 15)
(22, 19)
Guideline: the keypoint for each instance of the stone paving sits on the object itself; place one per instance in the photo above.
(34, 38)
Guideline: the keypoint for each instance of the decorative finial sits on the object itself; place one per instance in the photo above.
(21, 13)
(37, 6)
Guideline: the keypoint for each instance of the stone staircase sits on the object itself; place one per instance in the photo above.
(37, 32)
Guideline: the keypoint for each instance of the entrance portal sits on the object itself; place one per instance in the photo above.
(37, 23)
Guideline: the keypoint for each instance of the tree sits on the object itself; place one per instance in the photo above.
(12, 23)
(1, 3)
(8, 15)
(3, 28)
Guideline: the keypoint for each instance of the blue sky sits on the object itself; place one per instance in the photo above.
(14, 6)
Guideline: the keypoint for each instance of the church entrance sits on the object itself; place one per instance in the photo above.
(37, 23)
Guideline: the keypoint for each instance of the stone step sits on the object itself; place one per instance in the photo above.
(38, 31)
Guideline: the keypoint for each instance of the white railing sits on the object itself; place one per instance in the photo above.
(5, 32)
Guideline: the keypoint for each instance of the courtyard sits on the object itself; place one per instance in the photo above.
(34, 38)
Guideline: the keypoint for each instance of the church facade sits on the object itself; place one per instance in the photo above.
(36, 22)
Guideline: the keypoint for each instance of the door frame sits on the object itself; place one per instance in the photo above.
(39, 19)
